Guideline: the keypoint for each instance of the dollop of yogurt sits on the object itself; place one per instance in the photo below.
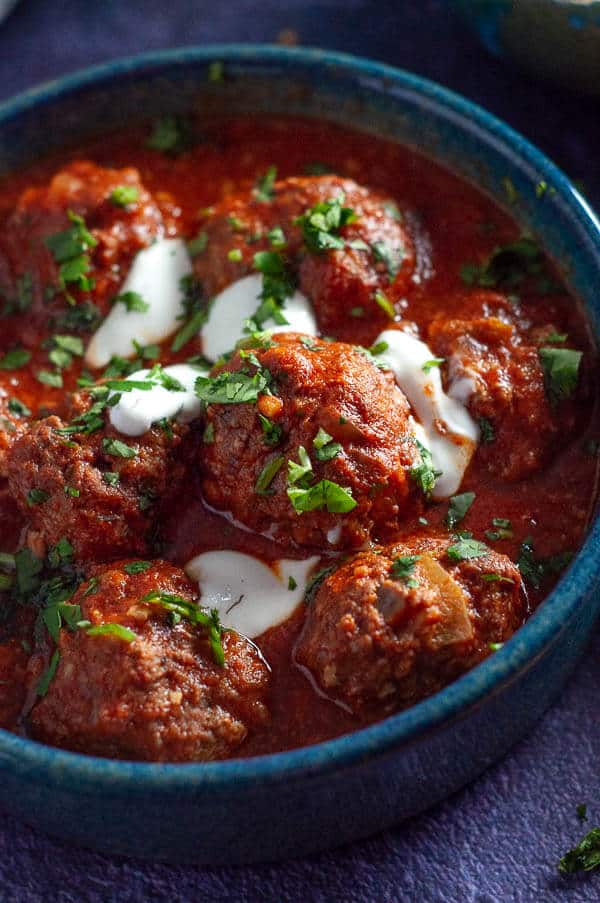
(443, 424)
(230, 309)
(250, 595)
(137, 409)
(155, 275)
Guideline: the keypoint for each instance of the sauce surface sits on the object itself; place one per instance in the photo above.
(453, 224)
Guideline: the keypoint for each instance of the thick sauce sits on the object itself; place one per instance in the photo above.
(456, 225)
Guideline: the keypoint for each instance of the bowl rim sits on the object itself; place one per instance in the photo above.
(543, 629)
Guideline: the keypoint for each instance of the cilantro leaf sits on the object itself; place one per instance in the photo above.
(268, 474)
(232, 388)
(403, 568)
(458, 507)
(424, 474)
(583, 857)
(123, 195)
(263, 190)
(112, 629)
(322, 223)
(324, 495)
(561, 371)
(465, 549)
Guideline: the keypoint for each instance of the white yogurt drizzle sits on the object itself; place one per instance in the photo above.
(249, 595)
(155, 275)
(137, 410)
(445, 427)
(230, 309)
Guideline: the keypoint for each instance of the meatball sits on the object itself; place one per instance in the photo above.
(39, 270)
(157, 693)
(325, 459)
(385, 630)
(100, 490)
(377, 257)
(495, 368)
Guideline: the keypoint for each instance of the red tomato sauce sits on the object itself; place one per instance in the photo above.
(553, 506)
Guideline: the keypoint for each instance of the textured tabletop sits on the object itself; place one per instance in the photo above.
(499, 839)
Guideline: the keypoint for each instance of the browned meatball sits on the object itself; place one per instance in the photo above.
(499, 367)
(158, 694)
(385, 630)
(30, 278)
(100, 491)
(334, 412)
(378, 253)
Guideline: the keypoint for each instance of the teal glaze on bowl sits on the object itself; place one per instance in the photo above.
(558, 40)
(297, 802)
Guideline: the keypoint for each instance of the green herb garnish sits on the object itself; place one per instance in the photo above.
(123, 195)
(403, 568)
(561, 371)
(322, 223)
(458, 507)
(465, 549)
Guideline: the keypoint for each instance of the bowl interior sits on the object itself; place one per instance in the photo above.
(388, 103)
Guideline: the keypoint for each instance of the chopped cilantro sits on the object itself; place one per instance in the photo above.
(507, 266)
(434, 362)
(263, 190)
(583, 857)
(123, 195)
(357, 312)
(232, 388)
(268, 474)
(17, 408)
(111, 629)
(495, 647)
(403, 568)
(198, 244)
(486, 428)
(385, 304)
(536, 570)
(292, 584)
(208, 436)
(318, 168)
(272, 432)
(182, 608)
(324, 495)
(15, 359)
(322, 223)
(300, 473)
(325, 446)
(37, 497)
(69, 249)
(136, 567)
(424, 474)
(46, 678)
(465, 549)
(276, 238)
(496, 578)
(132, 301)
(391, 257)
(118, 449)
(277, 285)
(561, 371)
(72, 492)
(235, 255)
(314, 584)
(50, 378)
(195, 311)
(216, 71)
(170, 135)
(458, 507)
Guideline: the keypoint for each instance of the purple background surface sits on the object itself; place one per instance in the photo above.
(500, 839)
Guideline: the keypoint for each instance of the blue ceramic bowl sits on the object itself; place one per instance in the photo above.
(558, 40)
(309, 799)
